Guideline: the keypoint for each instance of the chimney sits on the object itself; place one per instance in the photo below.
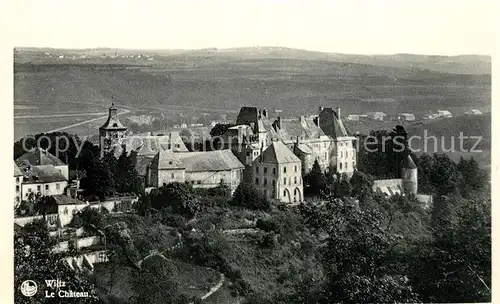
(264, 113)
(321, 109)
(302, 119)
(278, 122)
(338, 112)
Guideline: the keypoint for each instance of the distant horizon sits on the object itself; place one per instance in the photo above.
(250, 47)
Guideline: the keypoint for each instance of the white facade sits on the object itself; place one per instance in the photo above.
(45, 189)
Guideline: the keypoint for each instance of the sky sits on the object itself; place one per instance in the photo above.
(441, 27)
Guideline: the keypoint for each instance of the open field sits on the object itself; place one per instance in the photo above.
(183, 83)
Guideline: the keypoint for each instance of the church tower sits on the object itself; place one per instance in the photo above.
(111, 132)
(409, 176)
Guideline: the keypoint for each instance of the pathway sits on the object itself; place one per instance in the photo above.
(84, 122)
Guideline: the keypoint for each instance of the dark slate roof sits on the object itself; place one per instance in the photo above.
(408, 163)
(220, 160)
(142, 164)
(331, 124)
(38, 156)
(17, 171)
(167, 159)
(302, 127)
(41, 174)
(278, 153)
(113, 123)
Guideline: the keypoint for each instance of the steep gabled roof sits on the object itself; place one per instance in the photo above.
(17, 171)
(38, 156)
(219, 160)
(42, 174)
(332, 124)
(278, 153)
(167, 159)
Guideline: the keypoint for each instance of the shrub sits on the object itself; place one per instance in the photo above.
(267, 224)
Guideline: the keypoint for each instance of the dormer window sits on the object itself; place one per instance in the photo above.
(115, 125)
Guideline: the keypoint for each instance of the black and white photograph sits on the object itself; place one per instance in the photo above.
(248, 152)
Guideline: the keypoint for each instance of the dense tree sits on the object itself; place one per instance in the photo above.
(247, 196)
(220, 129)
(474, 180)
(360, 271)
(445, 176)
(178, 196)
(315, 181)
(342, 187)
(69, 148)
(362, 185)
(425, 164)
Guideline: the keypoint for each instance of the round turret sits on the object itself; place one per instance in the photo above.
(409, 176)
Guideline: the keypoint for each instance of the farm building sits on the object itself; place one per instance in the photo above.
(406, 116)
(376, 115)
(444, 113)
(473, 112)
(353, 117)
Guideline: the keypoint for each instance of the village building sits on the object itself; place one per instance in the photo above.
(406, 116)
(42, 174)
(111, 132)
(444, 113)
(203, 169)
(353, 117)
(473, 112)
(277, 174)
(376, 115)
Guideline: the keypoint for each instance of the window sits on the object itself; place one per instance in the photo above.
(173, 176)
(274, 183)
(256, 180)
(177, 145)
(326, 156)
(58, 186)
(284, 169)
(295, 168)
(274, 171)
(17, 179)
(341, 154)
(17, 199)
(265, 181)
(38, 188)
(324, 145)
(284, 180)
(295, 191)
(17, 188)
(170, 162)
(257, 169)
(284, 192)
(340, 166)
(346, 167)
(248, 153)
(66, 210)
(265, 170)
(265, 193)
(295, 180)
(46, 187)
(198, 182)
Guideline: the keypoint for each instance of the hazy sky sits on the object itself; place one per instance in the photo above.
(446, 27)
